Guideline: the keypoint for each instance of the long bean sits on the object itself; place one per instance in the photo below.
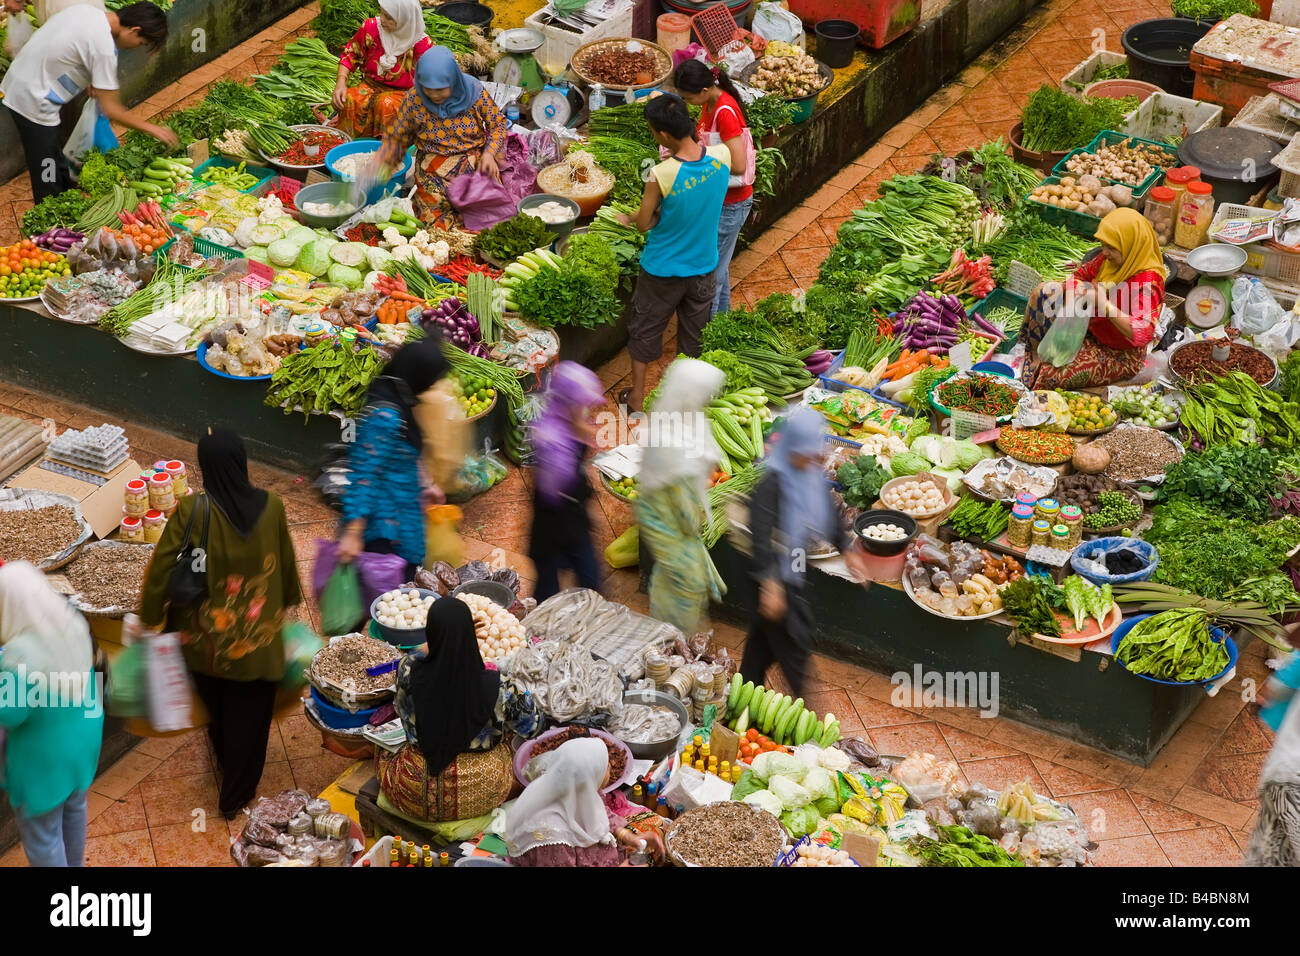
(742, 482)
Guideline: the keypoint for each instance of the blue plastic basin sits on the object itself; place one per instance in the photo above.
(368, 146)
(1128, 624)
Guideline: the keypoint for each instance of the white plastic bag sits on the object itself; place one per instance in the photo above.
(1281, 338)
(18, 31)
(1254, 310)
(168, 682)
(83, 134)
(774, 22)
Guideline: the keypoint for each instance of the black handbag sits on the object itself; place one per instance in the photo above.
(189, 583)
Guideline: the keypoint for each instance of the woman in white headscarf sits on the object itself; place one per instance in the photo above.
(563, 819)
(385, 50)
(51, 749)
(673, 503)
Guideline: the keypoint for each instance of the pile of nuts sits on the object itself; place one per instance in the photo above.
(727, 833)
(343, 663)
(1137, 452)
(37, 534)
(110, 577)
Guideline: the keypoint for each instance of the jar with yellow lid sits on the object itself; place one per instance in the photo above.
(1041, 533)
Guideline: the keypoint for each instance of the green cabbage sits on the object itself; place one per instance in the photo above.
(349, 253)
(908, 463)
(378, 258)
(746, 785)
(314, 258)
(345, 276)
(283, 252)
(969, 454)
(764, 800)
(802, 821)
(257, 254)
(301, 235)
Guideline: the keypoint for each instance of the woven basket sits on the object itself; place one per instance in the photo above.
(663, 63)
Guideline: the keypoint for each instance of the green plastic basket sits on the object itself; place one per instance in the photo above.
(997, 299)
(1080, 222)
(263, 174)
(1110, 137)
(204, 247)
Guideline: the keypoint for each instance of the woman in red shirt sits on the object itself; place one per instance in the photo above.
(385, 49)
(722, 114)
(1126, 283)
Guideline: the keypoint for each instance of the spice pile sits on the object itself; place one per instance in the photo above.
(343, 663)
(1036, 447)
(1195, 362)
(1137, 452)
(37, 534)
(110, 577)
(617, 755)
(726, 834)
(614, 67)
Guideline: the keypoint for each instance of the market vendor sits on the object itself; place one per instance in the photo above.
(455, 127)
(563, 818)
(1126, 284)
(385, 50)
(455, 711)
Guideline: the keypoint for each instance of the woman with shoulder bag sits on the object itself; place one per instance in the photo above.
(240, 559)
(723, 121)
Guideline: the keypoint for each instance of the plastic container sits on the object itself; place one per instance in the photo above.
(467, 13)
(1289, 162)
(882, 21)
(1117, 89)
(1020, 526)
(1118, 635)
(180, 478)
(1235, 161)
(154, 521)
(1044, 161)
(136, 497)
(366, 146)
(1163, 116)
(1110, 138)
(1160, 211)
(494, 591)
(161, 495)
(836, 41)
(1159, 52)
(131, 529)
(264, 174)
(1080, 222)
(1264, 114)
(1078, 78)
(1177, 180)
(1195, 214)
(562, 40)
(1239, 58)
(673, 31)
(1090, 549)
(1261, 259)
(333, 192)
(1040, 535)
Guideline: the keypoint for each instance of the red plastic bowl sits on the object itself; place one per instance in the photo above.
(525, 754)
(1118, 89)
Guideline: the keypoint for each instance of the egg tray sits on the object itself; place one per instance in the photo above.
(104, 463)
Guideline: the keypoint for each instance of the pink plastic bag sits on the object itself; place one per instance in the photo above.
(379, 573)
(481, 201)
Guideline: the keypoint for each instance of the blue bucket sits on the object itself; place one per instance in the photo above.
(993, 368)
(368, 146)
(1118, 635)
(336, 718)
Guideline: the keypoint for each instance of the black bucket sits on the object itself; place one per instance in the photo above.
(467, 13)
(836, 40)
(1159, 51)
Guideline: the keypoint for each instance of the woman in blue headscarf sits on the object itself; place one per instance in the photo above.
(791, 510)
(454, 126)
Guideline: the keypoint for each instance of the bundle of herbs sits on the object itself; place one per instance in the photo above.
(1049, 250)
(1032, 601)
(1234, 481)
(990, 173)
(1055, 121)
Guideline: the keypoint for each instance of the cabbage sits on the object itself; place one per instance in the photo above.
(968, 455)
(345, 276)
(378, 258)
(746, 785)
(301, 235)
(368, 283)
(257, 254)
(820, 783)
(774, 763)
(908, 463)
(314, 258)
(244, 231)
(952, 475)
(283, 252)
(801, 822)
(349, 253)
(929, 446)
(764, 800)
(792, 795)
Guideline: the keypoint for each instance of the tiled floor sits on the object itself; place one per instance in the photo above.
(1194, 806)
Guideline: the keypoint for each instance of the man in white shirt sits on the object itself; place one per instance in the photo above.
(75, 50)
(18, 34)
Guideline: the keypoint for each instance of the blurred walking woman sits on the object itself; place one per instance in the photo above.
(384, 502)
(674, 502)
(231, 638)
(50, 750)
(385, 50)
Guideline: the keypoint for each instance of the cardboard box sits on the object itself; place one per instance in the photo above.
(100, 504)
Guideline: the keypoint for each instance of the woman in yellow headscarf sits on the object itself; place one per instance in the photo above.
(1124, 287)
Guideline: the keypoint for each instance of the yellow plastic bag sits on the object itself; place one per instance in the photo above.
(441, 537)
(624, 551)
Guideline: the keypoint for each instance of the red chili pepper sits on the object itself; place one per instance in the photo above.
(297, 155)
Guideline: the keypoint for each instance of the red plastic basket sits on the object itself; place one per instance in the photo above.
(1287, 89)
(716, 27)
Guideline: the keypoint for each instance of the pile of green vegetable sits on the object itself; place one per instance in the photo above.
(1234, 409)
(983, 520)
(1118, 71)
(624, 241)
(1250, 616)
(1047, 249)
(737, 487)
(510, 239)
(1212, 11)
(1173, 645)
(1232, 480)
(567, 296)
(592, 256)
(306, 72)
(1032, 601)
(624, 159)
(324, 377)
(98, 175)
(739, 375)
(1117, 509)
(861, 479)
(959, 846)
(1055, 121)
(61, 210)
(997, 179)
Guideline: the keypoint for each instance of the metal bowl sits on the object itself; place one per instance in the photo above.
(1216, 259)
(1181, 382)
(324, 192)
(657, 749)
(494, 591)
(559, 229)
(306, 128)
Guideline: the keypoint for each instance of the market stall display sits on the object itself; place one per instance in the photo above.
(42, 527)
(106, 577)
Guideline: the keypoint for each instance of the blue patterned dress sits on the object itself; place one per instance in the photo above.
(384, 489)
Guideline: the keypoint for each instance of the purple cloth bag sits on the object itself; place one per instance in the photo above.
(481, 201)
(379, 573)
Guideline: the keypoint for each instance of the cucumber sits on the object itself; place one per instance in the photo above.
(742, 724)
(746, 693)
(787, 721)
(804, 730)
(734, 695)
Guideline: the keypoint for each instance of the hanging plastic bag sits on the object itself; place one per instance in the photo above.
(301, 644)
(128, 695)
(18, 30)
(441, 536)
(1071, 311)
(1254, 310)
(774, 22)
(481, 201)
(341, 609)
(168, 683)
(82, 139)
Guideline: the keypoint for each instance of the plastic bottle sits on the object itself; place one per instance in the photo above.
(639, 856)
(597, 99)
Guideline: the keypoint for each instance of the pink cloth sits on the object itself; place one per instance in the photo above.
(617, 808)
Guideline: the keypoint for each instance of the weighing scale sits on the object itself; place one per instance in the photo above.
(518, 66)
(1209, 304)
(560, 103)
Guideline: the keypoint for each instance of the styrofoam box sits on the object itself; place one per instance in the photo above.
(1162, 116)
(562, 41)
(1082, 75)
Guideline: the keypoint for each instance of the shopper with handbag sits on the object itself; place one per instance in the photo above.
(224, 576)
(722, 121)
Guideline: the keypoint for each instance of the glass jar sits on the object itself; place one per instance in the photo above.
(154, 521)
(1060, 537)
(132, 529)
(180, 478)
(1072, 518)
(136, 497)
(1041, 533)
(161, 496)
(1020, 526)
(1194, 215)
(1177, 180)
(1161, 207)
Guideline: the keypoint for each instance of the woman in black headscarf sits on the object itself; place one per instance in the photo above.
(455, 710)
(231, 637)
(386, 496)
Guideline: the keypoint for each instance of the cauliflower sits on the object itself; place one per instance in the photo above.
(269, 209)
(420, 239)
(393, 237)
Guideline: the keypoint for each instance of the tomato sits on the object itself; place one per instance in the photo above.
(751, 734)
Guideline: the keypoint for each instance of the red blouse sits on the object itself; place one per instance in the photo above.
(1141, 297)
(731, 124)
(365, 48)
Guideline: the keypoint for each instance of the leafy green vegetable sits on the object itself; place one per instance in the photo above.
(789, 316)
(561, 297)
(1031, 601)
(959, 846)
(1233, 481)
(1076, 598)
(1053, 120)
(1173, 645)
(1212, 10)
(511, 239)
(860, 481)
(767, 114)
(52, 212)
(769, 163)
(624, 159)
(973, 518)
(741, 329)
(1026, 238)
(1234, 409)
(98, 175)
(592, 257)
(324, 377)
(739, 375)
(991, 174)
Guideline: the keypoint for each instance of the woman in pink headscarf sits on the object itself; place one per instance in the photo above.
(561, 531)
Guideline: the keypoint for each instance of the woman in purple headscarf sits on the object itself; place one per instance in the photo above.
(561, 531)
